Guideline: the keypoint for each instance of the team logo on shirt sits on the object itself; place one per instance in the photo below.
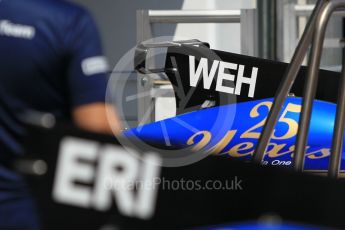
(10, 29)
(94, 65)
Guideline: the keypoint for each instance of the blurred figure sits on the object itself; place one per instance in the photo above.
(51, 61)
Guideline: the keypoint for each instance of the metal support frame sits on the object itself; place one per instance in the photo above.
(194, 16)
(305, 10)
(145, 83)
(146, 18)
(286, 30)
(267, 28)
(249, 26)
(292, 19)
(315, 33)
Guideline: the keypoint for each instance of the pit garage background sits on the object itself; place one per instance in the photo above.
(273, 33)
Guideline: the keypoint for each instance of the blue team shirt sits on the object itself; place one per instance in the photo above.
(50, 61)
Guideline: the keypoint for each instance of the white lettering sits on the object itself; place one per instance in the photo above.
(70, 169)
(241, 79)
(202, 67)
(224, 76)
(119, 168)
(10, 29)
(114, 179)
(278, 162)
(147, 195)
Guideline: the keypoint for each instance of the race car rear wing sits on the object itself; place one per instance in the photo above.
(203, 77)
(267, 79)
(142, 50)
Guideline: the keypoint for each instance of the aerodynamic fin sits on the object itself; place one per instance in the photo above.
(201, 76)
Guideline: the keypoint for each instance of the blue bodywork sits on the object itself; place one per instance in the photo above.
(233, 131)
(262, 226)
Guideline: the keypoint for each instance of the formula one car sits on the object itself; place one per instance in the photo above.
(223, 100)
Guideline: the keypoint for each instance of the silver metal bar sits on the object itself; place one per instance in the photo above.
(339, 126)
(287, 29)
(144, 31)
(311, 83)
(309, 91)
(162, 92)
(285, 85)
(141, 53)
(338, 135)
(152, 45)
(305, 10)
(249, 44)
(194, 16)
(144, 83)
(267, 27)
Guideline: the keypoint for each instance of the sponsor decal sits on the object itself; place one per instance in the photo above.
(223, 74)
(240, 143)
(213, 132)
(94, 65)
(10, 29)
(89, 175)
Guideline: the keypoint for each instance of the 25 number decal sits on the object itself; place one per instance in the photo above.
(292, 124)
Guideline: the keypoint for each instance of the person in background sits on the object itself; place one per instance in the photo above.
(51, 61)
